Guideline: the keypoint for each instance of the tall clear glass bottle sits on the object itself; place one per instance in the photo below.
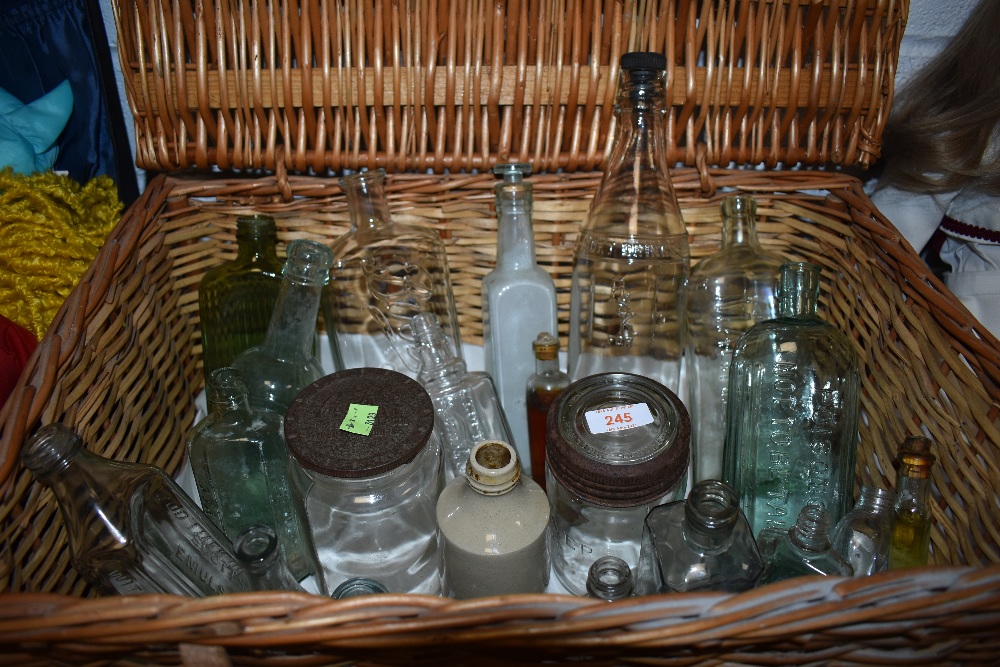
(729, 292)
(131, 528)
(385, 272)
(792, 413)
(911, 515)
(804, 549)
(627, 309)
(518, 297)
(285, 363)
(236, 298)
(258, 550)
(862, 536)
(542, 388)
(466, 403)
(240, 465)
(699, 544)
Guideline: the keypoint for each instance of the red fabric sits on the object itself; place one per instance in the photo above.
(16, 345)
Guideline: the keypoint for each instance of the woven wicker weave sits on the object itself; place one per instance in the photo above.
(420, 86)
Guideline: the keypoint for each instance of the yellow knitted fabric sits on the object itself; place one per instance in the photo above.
(51, 228)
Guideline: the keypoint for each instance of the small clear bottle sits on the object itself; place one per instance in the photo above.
(542, 388)
(493, 525)
(610, 578)
(367, 469)
(862, 536)
(628, 297)
(518, 297)
(792, 410)
(617, 447)
(911, 515)
(240, 465)
(236, 298)
(279, 368)
(131, 528)
(258, 551)
(357, 587)
(804, 549)
(467, 405)
(385, 272)
(729, 292)
(700, 544)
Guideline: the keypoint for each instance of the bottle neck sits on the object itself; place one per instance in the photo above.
(515, 237)
(546, 366)
(367, 200)
(811, 529)
(51, 451)
(799, 290)
(710, 514)
(912, 491)
(292, 329)
(739, 230)
(439, 363)
(875, 501)
(610, 578)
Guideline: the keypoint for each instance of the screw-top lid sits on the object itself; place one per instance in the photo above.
(618, 439)
(915, 458)
(396, 407)
(493, 468)
(644, 60)
(545, 346)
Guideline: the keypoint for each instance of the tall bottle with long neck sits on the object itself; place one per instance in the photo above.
(286, 363)
(730, 291)
(792, 412)
(518, 297)
(627, 310)
(383, 275)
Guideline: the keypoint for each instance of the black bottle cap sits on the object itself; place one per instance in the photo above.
(644, 60)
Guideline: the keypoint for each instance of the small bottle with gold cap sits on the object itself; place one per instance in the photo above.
(542, 388)
(911, 515)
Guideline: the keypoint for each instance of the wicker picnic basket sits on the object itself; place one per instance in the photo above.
(280, 94)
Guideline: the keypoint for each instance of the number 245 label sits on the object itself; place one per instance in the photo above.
(618, 418)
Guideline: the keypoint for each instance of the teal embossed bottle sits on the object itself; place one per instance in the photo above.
(792, 416)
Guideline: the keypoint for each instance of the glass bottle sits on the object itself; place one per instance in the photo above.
(617, 446)
(356, 587)
(236, 298)
(468, 408)
(862, 536)
(792, 413)
(911, 515)
(730, 291)
(699, 544)
(518, 297)
(610, 578)
(240, 465)
(131, 528)
(804, 549)
(627, 306)
(542, 388)
(367, 469)
(493, 527)
(258, 551)
(385, 272)
(279, 368)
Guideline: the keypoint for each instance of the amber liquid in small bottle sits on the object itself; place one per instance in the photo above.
(538, 404)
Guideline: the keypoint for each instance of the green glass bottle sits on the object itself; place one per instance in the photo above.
(911, 515)
(236, 298)
(240, 463)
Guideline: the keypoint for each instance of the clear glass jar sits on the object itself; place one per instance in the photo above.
(729, 292)
(617, 447)
(367, 471)
(627, 301)
(862, 536)
(792, 412)
(384, 273)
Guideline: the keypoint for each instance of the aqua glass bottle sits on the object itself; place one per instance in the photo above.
(729, 292)
(285, 363)
(236, 298)
(862, 536)
(910, 543)
(519, 298)
(240, 465)
(802, 550)
(385, 272)
(792, 413)
(131, 528)
(627, 303)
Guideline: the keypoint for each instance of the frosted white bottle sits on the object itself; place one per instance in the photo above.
(519, 300)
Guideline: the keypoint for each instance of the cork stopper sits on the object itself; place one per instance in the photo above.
(915, 458)
(493, 468)
(545, 346)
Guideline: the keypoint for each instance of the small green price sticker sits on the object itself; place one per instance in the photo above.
(359, 419)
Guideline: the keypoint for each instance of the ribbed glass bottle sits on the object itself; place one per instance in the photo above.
(384, 273)
(729, 292)
(627, 306)
(792, 412)
(236, 298)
